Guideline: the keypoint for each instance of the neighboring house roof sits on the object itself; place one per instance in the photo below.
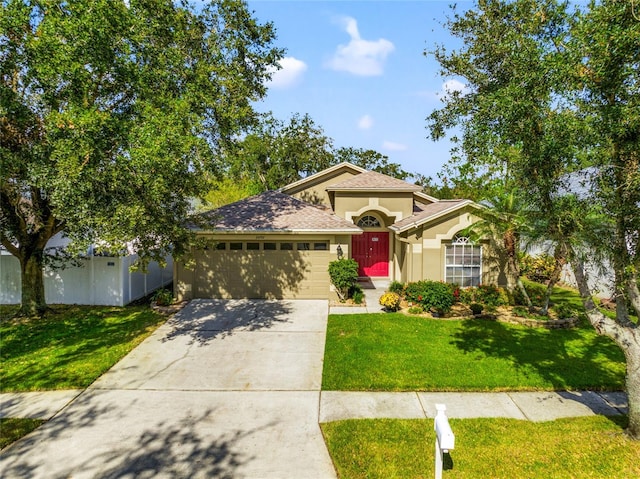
(273, 211)
(429, 213)
(373, 181)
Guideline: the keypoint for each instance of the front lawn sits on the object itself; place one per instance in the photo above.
(396, 352)
(70, 347)
(584, 447)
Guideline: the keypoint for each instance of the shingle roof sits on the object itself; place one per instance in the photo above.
(428, 213)
(274, 211)
(373, 181)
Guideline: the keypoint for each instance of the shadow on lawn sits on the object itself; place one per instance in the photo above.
(205, 320)
(567, 359)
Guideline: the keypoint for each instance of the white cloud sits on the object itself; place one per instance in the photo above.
(391, 146)
(365, 122)
(290, 73)
(451, 86)
(360, 57)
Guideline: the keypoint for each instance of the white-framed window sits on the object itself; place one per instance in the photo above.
(368, 222)
(463, 262)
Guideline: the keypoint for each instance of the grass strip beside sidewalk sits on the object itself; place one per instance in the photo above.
(585, 447)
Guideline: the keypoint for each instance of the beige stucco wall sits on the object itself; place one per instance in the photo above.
(395, 206)
(315, 192)
(425, 249)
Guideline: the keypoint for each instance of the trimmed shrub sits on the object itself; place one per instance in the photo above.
(416, 310)
(390, 301)
(344, 275)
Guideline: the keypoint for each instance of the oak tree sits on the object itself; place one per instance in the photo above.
(111, 112)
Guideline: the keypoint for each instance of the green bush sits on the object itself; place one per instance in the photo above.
(431, 295)
(396, 287)
(356, 294)
(537, 268)
(535, 291)
(565, 311)
(476, 308)
(467, 295)
(416, 310)
(491, 295)
(486, 294)
(344, 276)
(162, 297)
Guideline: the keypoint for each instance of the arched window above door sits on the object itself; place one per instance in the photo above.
(369, 221)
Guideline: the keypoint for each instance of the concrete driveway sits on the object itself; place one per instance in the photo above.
(223, 389)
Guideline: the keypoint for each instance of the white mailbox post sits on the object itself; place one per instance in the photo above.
(445, 440)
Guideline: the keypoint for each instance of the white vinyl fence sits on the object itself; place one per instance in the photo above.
(98, 281)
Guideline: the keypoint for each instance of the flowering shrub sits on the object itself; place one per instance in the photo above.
(491, 295)
(390, 301)
(486, 294)
(431, 295)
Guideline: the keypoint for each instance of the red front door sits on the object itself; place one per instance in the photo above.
(371, 251)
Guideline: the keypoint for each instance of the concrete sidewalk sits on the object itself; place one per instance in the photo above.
(338, 405)
(372, 289)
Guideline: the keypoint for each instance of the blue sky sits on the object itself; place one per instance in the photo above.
(358, 69)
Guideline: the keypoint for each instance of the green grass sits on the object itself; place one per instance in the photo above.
(70, 347)
(395, 352)
(585, 447)
(12, 429)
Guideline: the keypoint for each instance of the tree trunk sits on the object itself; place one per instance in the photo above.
(626, 335)
(560, 256)
(32, 273)
(514, 278)
(632, 353)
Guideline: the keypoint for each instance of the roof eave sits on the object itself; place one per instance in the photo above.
(287, 230)
(435, 216)
(377, 190)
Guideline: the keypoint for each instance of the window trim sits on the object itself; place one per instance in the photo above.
(463, 241)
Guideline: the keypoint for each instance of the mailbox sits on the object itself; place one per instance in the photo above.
(444, 434)
(445, 440)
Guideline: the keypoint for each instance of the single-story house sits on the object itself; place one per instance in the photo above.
(94, 279)
(278, 244)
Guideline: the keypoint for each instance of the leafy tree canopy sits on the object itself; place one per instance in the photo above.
(275, 153)
(552, 107)
(111, 113)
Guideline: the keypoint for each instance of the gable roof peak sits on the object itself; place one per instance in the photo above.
(374, 181)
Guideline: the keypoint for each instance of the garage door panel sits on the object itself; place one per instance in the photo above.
(269, 274)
